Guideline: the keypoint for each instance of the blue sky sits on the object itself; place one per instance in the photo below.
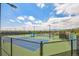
(34, 13)
(27, 9)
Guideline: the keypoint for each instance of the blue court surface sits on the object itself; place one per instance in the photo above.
(25, 44)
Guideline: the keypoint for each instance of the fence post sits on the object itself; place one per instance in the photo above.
(11, 47)
(77, 46)
(71, 47)
(0, 31)
(0, 47)
(41, 48)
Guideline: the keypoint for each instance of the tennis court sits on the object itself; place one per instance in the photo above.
(30, 46)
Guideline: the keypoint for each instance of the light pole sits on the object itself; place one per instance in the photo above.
(49, 31)
(13, 6)
(24, 31)
(34, 31)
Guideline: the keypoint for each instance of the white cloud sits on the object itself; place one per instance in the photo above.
(72, 23)
(28, 23)
(67, 8)
(62, 23)
(57, 20)
(31, 18)
(71, 9)
(11, 20)
(41, 5)
(21, 18)
(38, 22)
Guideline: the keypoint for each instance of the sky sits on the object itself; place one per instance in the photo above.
(40, 15)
